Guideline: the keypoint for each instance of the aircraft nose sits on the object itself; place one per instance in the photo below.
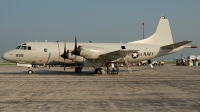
(6, 56)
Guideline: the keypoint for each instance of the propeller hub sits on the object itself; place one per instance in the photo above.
(79, 47)
(68, 51)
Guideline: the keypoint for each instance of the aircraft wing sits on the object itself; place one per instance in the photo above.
(176, 45)
(110, 56)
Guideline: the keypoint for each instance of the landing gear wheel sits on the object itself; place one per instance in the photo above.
(78, 69)
(30, 72)
(98, 71)
(117, 67)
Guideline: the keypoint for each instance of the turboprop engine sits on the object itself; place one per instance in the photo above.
(68, 55)
(73, 57)
(91, 52)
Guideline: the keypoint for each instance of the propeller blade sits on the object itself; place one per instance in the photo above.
(64, 64)
(76, 50)
(75, 43)
(64, 55)
(65, 47)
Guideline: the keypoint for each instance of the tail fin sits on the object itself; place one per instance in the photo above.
(162, 35)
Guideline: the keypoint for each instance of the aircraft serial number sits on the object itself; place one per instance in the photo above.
(19, 55)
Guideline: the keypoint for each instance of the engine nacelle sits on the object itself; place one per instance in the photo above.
(92, 52)
(75, 57)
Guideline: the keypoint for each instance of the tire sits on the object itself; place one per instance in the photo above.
(30, 72)
(78, 69)
(98, 71)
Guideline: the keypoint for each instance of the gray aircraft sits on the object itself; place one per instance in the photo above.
(96, 54)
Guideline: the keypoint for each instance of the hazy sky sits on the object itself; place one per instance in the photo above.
(96, 21)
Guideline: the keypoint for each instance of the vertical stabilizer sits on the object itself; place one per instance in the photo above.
(162, 35)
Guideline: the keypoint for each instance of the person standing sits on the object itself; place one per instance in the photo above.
(149, 62)
(196, 62)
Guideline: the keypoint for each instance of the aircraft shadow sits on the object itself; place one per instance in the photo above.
(54, 72)
(72, 73)
(49, 72)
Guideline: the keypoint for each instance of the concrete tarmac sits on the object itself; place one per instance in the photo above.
(168, 88)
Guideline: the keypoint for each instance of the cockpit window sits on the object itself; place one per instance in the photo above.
(24, 47)
(18, 47)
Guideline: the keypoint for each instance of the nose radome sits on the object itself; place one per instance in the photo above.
(6, 56)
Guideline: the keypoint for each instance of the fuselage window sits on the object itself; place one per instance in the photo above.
(45, 50)
(29, 47)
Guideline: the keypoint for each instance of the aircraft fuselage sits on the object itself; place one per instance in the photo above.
(49, 52)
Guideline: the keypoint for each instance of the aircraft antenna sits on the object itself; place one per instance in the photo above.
(143, 28)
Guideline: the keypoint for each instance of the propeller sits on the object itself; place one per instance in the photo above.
(64, 55)
(76, 51)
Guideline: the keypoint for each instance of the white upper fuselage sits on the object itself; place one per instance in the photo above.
(49, 52)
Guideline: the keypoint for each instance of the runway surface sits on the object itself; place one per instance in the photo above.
(169, 88)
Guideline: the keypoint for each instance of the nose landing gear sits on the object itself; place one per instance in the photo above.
(30, 71)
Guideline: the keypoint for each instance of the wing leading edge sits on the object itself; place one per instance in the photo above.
(111, 56)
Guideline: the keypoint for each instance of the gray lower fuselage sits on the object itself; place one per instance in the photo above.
(49, 53)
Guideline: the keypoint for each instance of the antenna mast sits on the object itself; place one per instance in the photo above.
(143, 28)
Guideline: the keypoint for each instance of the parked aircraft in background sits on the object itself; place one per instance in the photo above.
(97, 54)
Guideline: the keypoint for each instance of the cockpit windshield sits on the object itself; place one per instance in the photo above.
(18, 47)
(24, 47)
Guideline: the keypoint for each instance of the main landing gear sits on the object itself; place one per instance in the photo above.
(112, 68)
(78, 69)
(98, 71)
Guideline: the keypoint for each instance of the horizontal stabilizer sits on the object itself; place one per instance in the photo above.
(176, 45)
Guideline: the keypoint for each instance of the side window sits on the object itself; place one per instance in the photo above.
(29, 47)
(45, 50)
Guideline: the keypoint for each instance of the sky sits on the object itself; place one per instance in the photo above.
(96, 21)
